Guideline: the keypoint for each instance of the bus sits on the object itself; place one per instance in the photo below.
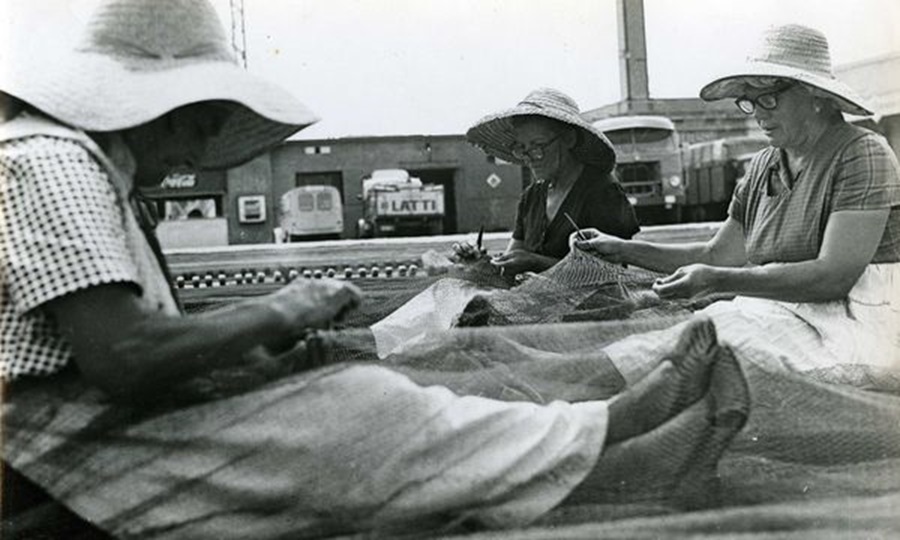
(648, 164)
(311, 213)
(711, 170)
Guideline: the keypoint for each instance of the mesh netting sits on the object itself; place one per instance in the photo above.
(538, 363)
(579, 287)
(806, 444)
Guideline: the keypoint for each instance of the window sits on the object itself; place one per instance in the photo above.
(637, 135)
(191, 208)
(323, 201)
(305, 202)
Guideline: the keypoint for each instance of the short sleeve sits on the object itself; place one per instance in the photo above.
(737, 208)
(738, 205)
(62, 225)
(867, 176)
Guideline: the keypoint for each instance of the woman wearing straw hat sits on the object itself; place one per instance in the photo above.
(154, 89)
(811, 246)
(572, 164)
(93, 126)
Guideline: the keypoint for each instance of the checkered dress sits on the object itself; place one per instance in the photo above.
(853, 341)
(64, 227)
(852, 169)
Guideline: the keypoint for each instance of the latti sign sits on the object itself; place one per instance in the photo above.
(411, 203)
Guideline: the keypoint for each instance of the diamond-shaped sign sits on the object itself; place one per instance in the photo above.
(493, 180)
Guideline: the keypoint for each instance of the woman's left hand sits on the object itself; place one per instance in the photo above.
(690, 281)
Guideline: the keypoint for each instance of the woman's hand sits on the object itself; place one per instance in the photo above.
(602, 245)
(517, 261)
(465, 251)
(690, 281)
(307, 304)
(257, 367)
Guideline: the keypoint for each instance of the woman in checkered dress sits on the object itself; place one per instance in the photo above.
(154, 89)
(811, 247)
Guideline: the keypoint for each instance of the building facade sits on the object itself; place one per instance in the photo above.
(241, 204)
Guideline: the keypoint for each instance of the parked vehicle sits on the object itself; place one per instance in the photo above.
(397, 204)
(311, 213)
(649, 164)
(711, 170)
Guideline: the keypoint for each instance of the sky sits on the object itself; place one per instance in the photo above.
(401, 67)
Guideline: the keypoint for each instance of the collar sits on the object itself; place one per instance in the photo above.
(778, 166)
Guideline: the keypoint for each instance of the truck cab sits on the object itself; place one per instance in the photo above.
(397, 204)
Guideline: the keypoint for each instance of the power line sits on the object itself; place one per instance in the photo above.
(238, 31)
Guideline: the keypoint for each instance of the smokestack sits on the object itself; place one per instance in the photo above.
(632, 50)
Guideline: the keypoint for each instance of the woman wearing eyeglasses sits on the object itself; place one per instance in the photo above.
(572, 164)
(811, 247)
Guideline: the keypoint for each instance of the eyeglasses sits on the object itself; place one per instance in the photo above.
(767, 101)
(536, 152)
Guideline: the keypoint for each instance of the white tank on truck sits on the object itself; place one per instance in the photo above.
(397, 204)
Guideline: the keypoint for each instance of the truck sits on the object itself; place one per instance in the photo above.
(711, 171)
(397, 204)
(648, 164)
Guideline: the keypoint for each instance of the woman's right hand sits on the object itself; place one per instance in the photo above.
(307, 304)
(607, 247)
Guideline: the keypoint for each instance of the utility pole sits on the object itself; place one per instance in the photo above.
(238, 34)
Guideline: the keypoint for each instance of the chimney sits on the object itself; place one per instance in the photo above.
(632, 50)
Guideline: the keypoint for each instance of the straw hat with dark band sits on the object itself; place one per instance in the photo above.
(494, 133)
(141, 59)
(791, 52)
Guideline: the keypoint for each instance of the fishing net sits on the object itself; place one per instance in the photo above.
(149, 473)
(814, 457)
(578, 288)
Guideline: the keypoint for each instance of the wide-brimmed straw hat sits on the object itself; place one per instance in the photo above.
(495, 136)
(141, 59)
(791, 52)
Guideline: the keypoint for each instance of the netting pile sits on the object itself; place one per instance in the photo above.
(579, 287)
(814, 459)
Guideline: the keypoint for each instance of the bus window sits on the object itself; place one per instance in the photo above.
(305, 202)
(323, 201)
(621, 137)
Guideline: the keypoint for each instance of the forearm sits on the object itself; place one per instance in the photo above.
(663, 257)
(807, 281)
(157, 351)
